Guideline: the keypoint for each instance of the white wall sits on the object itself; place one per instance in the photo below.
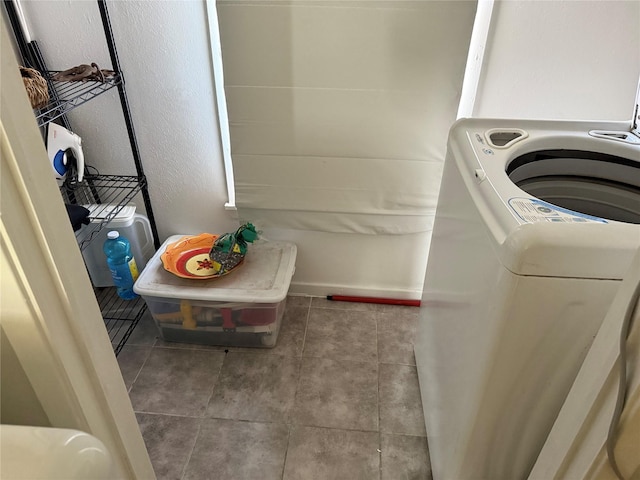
(544, 59)
(561, 59)
(164, 54)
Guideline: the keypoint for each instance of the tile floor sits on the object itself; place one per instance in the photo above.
(336, 398)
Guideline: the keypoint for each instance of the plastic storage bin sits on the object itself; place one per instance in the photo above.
(243, 308)
(134, 226)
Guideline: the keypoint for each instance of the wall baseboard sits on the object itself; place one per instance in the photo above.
(322, 290)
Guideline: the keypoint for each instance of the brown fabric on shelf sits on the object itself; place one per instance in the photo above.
(83, 73)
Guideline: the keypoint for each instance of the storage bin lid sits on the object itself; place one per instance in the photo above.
(98, 212)
(264, 277)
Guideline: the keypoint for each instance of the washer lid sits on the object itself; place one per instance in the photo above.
(632, 135)
(636, 115)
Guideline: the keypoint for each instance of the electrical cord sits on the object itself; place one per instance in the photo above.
(622, 381)
(71, 180)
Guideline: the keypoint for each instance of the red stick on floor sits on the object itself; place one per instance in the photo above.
(386, 301)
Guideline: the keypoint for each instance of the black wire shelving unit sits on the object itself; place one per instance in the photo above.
(69, 95)
(107, 194)
(120, 316)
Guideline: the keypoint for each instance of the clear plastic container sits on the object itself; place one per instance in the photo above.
(243, 308)
(134, 226)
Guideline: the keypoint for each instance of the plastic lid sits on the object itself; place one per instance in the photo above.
(113, 234)
(263, 278)
(98, 212)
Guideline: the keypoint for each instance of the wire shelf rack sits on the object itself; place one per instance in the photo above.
(105, 196)
(69, 95)
(120, 316)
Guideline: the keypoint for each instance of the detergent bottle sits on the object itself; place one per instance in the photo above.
(121, 264)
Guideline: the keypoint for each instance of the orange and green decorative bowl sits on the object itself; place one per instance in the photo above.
(189, 258)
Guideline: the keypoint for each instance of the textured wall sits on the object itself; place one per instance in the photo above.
(164, 53)
(562, 60)
(543, 59)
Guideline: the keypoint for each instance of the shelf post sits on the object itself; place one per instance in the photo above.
(115, 62)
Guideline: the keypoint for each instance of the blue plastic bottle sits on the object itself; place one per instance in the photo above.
(122, 264)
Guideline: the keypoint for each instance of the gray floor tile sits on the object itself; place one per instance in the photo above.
(130, 359)
(322, 302)
(255, 387)
(169, 440)
(396, 334)
(299, 301)
(191, 346)
(400, 402)
(145, 333)
(337, 394)
(341, 335)
(322, 453)
(292, 331)
(405, 457)
(227, 449)
(397, 309)
(176, 381)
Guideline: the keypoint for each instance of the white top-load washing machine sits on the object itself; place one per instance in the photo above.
(536, 224)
